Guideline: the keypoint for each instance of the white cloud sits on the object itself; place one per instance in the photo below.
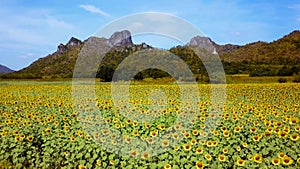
(294, 6)
(58, 23)
(93, 9)
(235, 33)
(26, 56)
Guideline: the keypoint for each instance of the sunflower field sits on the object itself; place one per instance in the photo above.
(258, 127)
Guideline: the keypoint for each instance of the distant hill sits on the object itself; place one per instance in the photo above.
(285, 50)
(280, 57)
(5, 70)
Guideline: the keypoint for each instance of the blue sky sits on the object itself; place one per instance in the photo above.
(32, 29)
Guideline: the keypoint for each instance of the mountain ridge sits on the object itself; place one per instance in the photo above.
(5, 70)
(60, 64)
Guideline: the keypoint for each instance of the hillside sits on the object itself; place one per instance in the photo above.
(280, 57)
(282, 51)
(5, 70)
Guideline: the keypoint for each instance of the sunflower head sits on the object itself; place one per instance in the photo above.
(222, 158)
(200, 165)
(167, 166)
(257, 158)
(187, 147)
(208, 157)
(294, 137)
(275, 161)
(240, 162)
(287, 160)
(30, 138)
(199, 150)
(133, 153)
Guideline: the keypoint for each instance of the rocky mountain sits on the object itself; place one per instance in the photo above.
(5, 70)
(60, 64)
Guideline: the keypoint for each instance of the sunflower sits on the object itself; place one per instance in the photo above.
(298, 160)
(117, 126)
(161, 127)
(16, 132)
(208, 157)
(244, 144)
(149, 140)
(240, 162)
(133, 153)
(275, 161)
(297, 128)
(187, 135)
(175, 136)
(193, 141)
(209, 143)
(269, 129)
(98, 162)
(257, 158)
(82, 167)
(72, 138)
(135, 123)
(267, 133)
(48, 130)
(195, 132)
(165, 143)
(281, 155)
(154, 133)
(199, 150)
(294, 120)
(22, 136)
(128, 121)
(187, 147)
(253, 129)
(256, 138)
(214, 143)
(237, 129)
(17, 138)
(287, 160)
(135, 133)
(238, 148)
(176, 148)
(145, 155)
(215, 132)
(294, 137)
(67, 129)
(277, 130)
(200, 165)
(225, 150)
(167, 166)
(30, 138)
(147, 125)
(222, 158)
(226, 133)
(283, 134)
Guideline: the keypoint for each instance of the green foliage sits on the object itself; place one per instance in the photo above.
(282, 80)
(296, 78)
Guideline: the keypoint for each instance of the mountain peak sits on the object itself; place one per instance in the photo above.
(122, 38)
(203, 42)
(72, 42)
